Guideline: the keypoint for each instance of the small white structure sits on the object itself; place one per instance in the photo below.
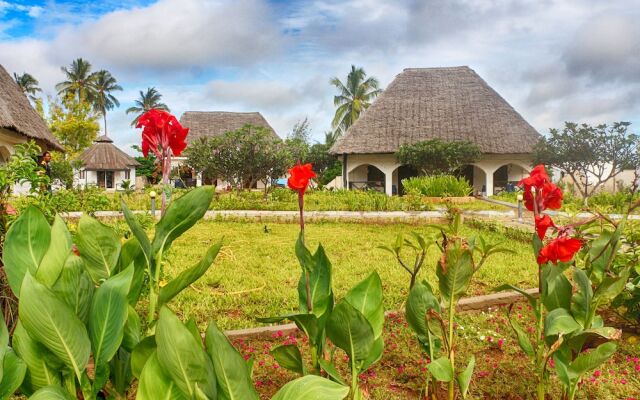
(444, 103)
(106, 166)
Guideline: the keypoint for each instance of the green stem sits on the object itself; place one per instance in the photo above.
(354, 379)
(314, 359)
(451, 349)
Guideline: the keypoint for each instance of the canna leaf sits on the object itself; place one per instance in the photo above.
(319, 270)
(464, 377)
(581, 300)
(312, 387)
(560, 321)
(289, 357)
(51, 393)
(366, 297)
(131, 334)
(138, 233)
(156, 384)
(14, 372)
(141, 354)
(99, 248)
(454, 271)
(331, 370)
(54, 259)
(556, 289)
(441, 369)
(41, 371)
(75, 287)
(349, 330)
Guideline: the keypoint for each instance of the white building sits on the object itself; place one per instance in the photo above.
(445, 103)
(106, 166)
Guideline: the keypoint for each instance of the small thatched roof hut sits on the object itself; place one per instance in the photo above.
(103, 155)
(452, 103)
(214, 123)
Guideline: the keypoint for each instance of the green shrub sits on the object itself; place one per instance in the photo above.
(437, 186)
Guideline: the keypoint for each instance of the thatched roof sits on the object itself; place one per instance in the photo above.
(214, 123)
(104, 155)
(16, 114)
(446, 103)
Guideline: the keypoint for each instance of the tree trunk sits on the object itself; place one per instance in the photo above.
(104, 116)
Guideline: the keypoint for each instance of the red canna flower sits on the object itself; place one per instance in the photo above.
(559, 249)
(538, 189)
(542, 224)
(536, 178)
(161, 131)
(299, 177)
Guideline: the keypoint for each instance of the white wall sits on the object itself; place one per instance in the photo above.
(91, 179)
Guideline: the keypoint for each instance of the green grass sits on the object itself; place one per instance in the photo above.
(256, 273)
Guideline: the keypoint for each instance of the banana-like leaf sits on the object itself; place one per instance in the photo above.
(187, 277)
(108, 316)
(51, 393)
(588, 361)
(40, 373)
(331, 370)
(181, 215)
(138, 233)
(75, 287)
(141, 354)
(25, 245)
(581, 300)
(132, 253)
(421, 299)
(441, 369)
(556, 289)
(14, 371)
(349, 330)
(4, 341)
(374, 355)
(611, 287)
(560, 321)
(99, 247)
(523, 339)
(232, 373)
(454, 271)
(366, 297)
(54, 259)
(156, 384)
(131, 335)
(319, 272)
(289, 357)
(51, 322)
(464, 377)
(182, 357)
(312, 387)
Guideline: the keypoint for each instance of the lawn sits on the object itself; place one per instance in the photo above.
(256, 273)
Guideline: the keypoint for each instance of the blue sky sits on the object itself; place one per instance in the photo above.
(553, 60)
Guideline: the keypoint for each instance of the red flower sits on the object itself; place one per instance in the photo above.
(536, 178)
(542, 224)
(560, 249)
(300, 176)
(539, 189)
(161, 131)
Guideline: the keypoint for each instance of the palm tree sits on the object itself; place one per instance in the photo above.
(355, 96)
(79, 81)
(103, 85)
(147, 101)
(28, 84)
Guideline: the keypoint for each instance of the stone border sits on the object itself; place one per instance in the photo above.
(466, 304)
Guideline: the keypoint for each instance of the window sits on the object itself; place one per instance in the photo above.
(105, 179)
(83, 174)
(127, 174)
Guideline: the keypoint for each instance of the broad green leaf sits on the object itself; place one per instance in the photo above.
(156, 384)
(601, 253)
(181, 215)
(319, 271)
(25, 245)
(588, 361)
(193, 328)
(561, 359)
(182, 357)
(611, 287)
(131, 334)
(99, 247)
(464, 377)
(132, 253)
(51, 322)
(441, 369)
(138, 233)
(349, 330)
(108, 315)
(14, 371)
(75, 287)
(289, 357)
(189, 276)
(419, 302)
(455, 273)
(232, 372)
(374, 355)
(312, 387)
(51, 393)
(54, 259)
(523, 338)
(141, 354)
(4, 341)
(581, 304)
(366, 297)
(556, 288)
(560, 321)
(40, 372)
(331, 370)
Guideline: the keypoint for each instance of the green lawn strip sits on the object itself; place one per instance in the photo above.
(256, 272)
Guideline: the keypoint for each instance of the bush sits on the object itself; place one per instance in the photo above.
(437, 186)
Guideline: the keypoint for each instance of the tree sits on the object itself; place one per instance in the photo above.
(62, 169)
(80, 81)
(436, 156)
(325, 165)
(103, 85)
(148, 100)
(28, 84)
(301, 131)
(74, 124)
(590, 155)
(355, 96)
(149, 167)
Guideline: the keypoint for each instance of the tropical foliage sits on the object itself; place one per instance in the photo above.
(103, 85)
(149, 100)
(437, 186)
(28, 84)
(354, 96)
(436, 156)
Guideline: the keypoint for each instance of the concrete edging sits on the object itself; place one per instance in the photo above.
(466, 304)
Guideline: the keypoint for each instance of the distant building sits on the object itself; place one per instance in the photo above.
(106, 166)
(445, 103)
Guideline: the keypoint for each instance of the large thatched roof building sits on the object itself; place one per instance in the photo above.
(19, 122)
(214, 123)
(105, 165)
(446, 103)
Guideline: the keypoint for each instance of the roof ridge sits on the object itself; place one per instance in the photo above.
(436, 68)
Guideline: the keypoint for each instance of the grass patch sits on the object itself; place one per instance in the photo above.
(256, 272)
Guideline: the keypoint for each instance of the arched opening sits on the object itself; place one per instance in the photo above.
(475, 176)
(399, 174)
(506, 178)
(367, 177)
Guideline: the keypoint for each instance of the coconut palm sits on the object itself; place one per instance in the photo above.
(355, 96)
(79, 81)
(148, 100)
(28, 84)
(103, 100)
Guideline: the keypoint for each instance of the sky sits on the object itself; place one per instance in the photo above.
(552, 60)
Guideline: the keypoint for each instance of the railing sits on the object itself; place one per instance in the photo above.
(367, 185)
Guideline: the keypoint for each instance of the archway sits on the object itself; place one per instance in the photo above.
(367, 177)
(399, 174)
(506, 177)
(476, 177)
